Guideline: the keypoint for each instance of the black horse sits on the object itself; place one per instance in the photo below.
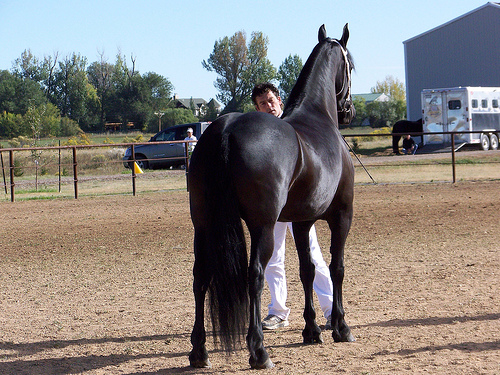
(404, 127)
(261, 169)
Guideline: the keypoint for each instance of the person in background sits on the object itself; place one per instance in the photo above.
(266, 98)
(190, 137)
(409, 145)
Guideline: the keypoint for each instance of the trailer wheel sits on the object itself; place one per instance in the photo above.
(485, 142)
(493, 141)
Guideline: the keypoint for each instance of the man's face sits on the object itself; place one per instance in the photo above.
(269, 103)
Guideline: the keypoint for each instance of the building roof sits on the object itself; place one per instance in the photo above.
(488, 4)
(372, 97)
(198, 102)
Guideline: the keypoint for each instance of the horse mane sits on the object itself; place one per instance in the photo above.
(297, 94)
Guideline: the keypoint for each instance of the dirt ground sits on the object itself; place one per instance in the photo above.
(102, 285)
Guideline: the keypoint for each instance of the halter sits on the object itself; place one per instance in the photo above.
(346, 106)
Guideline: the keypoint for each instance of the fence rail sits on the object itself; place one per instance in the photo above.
(74, 163)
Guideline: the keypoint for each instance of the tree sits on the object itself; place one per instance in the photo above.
(392, 87)
(239, 67)
(100, 76)
(73, 94)
(175, 116)
(211, 112)
(17, 93)
(361, 113)
(29, 67)
(288, 72)
(387, 113)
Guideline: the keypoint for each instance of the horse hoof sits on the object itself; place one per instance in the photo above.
(343, 337)
(349, 338)
(314, 340)
(262, 366)
(201, 364)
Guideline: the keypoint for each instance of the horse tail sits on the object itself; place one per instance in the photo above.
(227, 255)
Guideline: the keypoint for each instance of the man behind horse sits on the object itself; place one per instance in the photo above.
(266, 98)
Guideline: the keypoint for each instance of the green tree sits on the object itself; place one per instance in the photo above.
(387, 113)
(12, 125)
(361, 112)
(100, 76)
(392, 87)
(29, 67)
(72, 93)
(158, 92)
(173, 116)
(211, 113)
(239, 67)
(288, 72)
(17, 93)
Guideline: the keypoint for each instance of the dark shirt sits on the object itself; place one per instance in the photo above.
(408, 143)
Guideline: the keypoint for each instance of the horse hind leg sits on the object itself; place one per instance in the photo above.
(262, 240)
(339, 227)
(311, 333)
(198, 357)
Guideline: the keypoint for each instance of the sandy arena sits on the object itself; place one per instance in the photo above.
(103, 286)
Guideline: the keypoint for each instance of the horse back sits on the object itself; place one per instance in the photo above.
(259, 153)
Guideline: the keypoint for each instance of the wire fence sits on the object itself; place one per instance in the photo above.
(71, 171)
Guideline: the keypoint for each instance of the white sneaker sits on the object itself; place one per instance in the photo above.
(273, 322)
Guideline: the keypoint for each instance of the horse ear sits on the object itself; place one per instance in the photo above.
(322, 33)
(345, 36)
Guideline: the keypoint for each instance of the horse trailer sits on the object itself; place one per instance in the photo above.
(457, 109)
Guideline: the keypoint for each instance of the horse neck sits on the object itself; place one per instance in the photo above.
(314, 91)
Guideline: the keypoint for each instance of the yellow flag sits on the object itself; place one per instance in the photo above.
(137, 169)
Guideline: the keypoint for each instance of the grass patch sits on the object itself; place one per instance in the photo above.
(41, 189)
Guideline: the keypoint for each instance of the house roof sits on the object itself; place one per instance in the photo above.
(198, 102)
(372, 97)
(488, 4)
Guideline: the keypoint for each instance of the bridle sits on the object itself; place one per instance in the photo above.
(345, 103)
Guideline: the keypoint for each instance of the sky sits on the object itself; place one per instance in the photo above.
(172, 38)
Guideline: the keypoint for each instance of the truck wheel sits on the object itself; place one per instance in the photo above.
(143, 164)
(485, 142)
(494, 142)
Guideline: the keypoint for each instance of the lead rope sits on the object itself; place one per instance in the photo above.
(348, 79)
(350, 148)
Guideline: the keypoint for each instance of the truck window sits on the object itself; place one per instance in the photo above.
(484, 103)
(165, 136)
(474, 103)
(454, 104)
(494, 103)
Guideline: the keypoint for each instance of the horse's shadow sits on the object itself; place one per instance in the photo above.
(431, 321)
(78, 364)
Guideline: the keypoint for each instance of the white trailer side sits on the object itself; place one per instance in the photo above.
(462, 109)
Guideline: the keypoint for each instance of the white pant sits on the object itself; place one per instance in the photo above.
(276, 277)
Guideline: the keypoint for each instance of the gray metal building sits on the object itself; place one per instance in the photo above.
(462, 52)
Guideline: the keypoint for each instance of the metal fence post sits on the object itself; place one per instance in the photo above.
(11, 167)
(453, 157)
(133, 170)
(186, 151)
(3, 173)
(75, 173)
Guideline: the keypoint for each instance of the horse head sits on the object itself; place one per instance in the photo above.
(345, 107)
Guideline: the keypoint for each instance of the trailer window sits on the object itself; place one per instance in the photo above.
(454, 104)
(484, 103)
(494, 103)
(474, 103)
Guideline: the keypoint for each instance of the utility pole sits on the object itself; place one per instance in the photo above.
(159, 114)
